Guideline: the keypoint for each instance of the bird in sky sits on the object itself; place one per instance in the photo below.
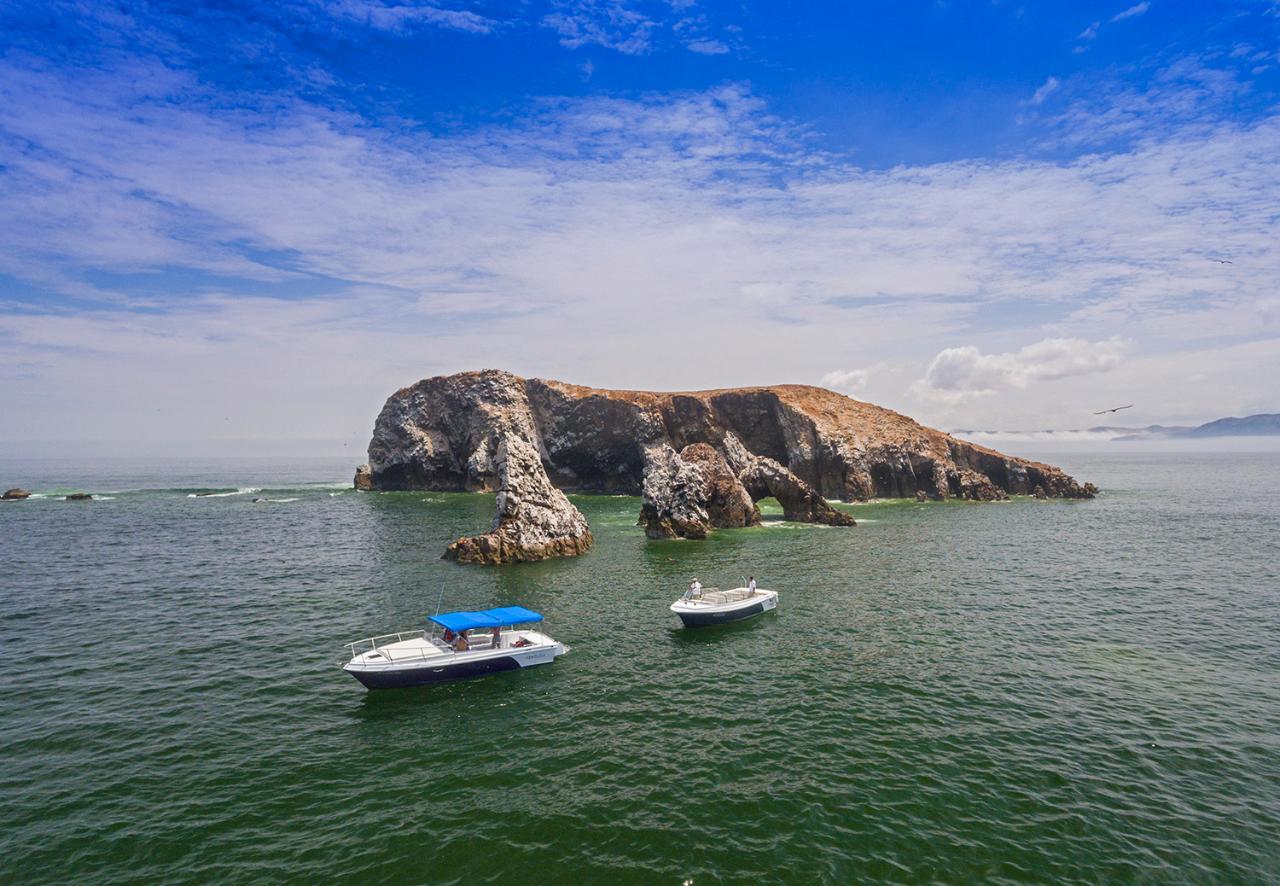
(1117, 409)
(1222, 261)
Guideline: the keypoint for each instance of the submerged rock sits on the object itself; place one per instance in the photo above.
(79, 496)
(15, 494)
(700, 460)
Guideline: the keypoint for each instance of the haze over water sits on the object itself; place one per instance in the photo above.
(1067, 691)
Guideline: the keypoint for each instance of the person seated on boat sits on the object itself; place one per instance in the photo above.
(448, 636)
(751, 587)
(497, 638)
(461, 644)
(695, 590)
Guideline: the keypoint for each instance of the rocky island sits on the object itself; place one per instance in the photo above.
(700, 460)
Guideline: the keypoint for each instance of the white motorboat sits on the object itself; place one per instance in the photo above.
(716, 607)
(467, 644)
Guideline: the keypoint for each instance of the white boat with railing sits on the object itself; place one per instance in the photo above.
(463, 644)
(713, 606)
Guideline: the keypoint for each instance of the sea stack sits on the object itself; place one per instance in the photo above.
(700, 460)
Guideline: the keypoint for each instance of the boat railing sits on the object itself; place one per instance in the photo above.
(369, 644)
(478, 643)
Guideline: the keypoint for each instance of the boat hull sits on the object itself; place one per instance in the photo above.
(427, 673)
(402, 678)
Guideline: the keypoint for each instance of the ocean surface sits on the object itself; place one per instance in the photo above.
(949, 692)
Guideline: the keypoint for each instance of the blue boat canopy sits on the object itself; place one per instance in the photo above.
(485, 618)
(514, 615)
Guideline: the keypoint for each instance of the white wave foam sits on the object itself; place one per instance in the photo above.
(280, 501)
(244, 490)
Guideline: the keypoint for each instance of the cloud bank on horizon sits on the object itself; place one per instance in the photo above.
(223, 225)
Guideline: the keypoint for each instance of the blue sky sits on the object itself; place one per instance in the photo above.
(257, 220)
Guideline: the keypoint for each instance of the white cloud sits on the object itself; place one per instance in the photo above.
(707, 47)
(620, 243)
(400, 16)
(1046, 89)
(966, 371)
(849, 381)
(1131, 12)
(1090, 32)
(613, 24)
(632, 27)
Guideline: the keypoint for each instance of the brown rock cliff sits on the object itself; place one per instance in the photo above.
(699, 459)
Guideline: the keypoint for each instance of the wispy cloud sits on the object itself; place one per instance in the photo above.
(612, 24)
(632, 27)
(1046, 89)
(707, 47)
(337, 260)
(400, 16)
(1135, 10)
(1090, 32)
(1187, 93)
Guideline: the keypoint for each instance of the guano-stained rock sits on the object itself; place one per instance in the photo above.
(673, 496)
(697, 458)
(363, 479)
(535, 520)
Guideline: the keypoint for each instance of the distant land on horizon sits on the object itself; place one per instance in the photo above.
(1264, 424)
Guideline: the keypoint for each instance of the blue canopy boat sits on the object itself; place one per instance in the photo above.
(462, 644)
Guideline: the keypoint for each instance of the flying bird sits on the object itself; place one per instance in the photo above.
(1222, 261)
(1117, 409)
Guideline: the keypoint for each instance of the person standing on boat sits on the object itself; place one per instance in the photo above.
(751, 587)
(695, 589)
(497, 637)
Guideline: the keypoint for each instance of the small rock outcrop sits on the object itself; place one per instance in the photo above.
(15, 494)
(79, 496)
(535, 520)
(700, 460)
(363, 479)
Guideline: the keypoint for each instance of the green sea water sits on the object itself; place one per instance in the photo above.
(1015, 692)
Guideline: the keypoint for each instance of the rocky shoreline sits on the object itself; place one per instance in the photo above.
(699, 460)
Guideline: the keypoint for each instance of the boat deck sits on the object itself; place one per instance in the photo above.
(417, 646)
(717, 597)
